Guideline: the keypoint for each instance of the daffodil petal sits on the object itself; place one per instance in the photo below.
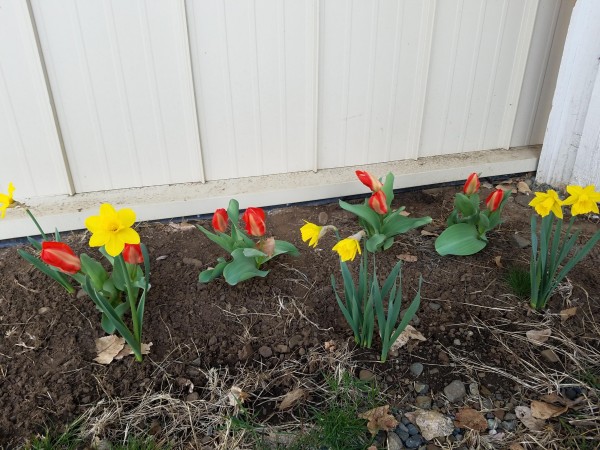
(3, 210)
(128, 236)
(114, 246)
(4, 199)
(557, 210)
(93, 223)
(126, 217)
(106, 209)
(99, 238)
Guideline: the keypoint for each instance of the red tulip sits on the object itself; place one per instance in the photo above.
(369, 180)
(255, 221)
(61, 256)
(472, 184)
(494, 200)
(378, 203)
(219, 220)
(132, 254)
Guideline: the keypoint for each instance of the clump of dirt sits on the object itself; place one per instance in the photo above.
(47, 369)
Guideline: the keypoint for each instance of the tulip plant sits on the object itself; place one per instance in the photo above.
(376, 217)
(247, 256)
(549, 263)
(467, 224)
(115, 294)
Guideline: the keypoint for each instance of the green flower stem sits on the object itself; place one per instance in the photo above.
(36, 223)
(132, 303)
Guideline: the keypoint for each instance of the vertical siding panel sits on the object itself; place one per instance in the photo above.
(30, 147)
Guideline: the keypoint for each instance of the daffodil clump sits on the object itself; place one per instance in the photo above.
(550, 250)
(115, 294)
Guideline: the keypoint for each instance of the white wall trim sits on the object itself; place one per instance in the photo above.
(162, 202)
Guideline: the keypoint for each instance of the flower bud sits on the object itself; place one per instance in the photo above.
(255, 221)
(61, 256)
(219, 220)
(369, 180)
(378, 203)
(494, 199)
(132, 254)
(472, 184)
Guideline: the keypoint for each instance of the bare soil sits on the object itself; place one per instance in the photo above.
(48, 376)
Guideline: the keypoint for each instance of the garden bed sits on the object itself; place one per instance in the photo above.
(288, 323)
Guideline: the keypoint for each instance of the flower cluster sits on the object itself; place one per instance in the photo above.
(582, 200)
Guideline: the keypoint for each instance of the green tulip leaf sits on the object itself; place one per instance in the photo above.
(221, 239)
(388, 189)
(461, 239)
(241, 268)
(94, 270)
(365, 213)
(375, 242)
(210, 274)
(396, 224)
(233, 210)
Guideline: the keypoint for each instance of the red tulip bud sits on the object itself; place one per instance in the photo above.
(378, 203)
(61, 256)
(494, 200)
(132, 254)
(255, 221)
(472, 184)
(369, 180)
(219, 220)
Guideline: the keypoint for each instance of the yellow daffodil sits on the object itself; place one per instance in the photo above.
(112, 229)
(347, 248)
(584, 200)
(6, 200)
(546, 202)
(311, 233)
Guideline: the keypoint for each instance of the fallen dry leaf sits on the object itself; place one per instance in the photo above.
(379, 419)
(267, 246)
(431, 423)
(291, 398)
(516, 447)
(428, 233)
(507, 188)
(329, 346)
(128, 351)
(471, 419)
(498, 262)
(404, 213)
(408, 258)
(555, 398)
(409, 333)
(523, 187)
(565, 314)
(523, 413)
(538, 337)
(108, 347)
(181, 226)
(236, 396)
(543, 410)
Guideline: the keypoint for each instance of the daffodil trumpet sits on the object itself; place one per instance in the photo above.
(550, 248)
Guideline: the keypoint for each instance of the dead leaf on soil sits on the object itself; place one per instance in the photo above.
(161, 257)
(523, 187)
(404, 213)
(181, 226)
(566, 314)
(431, 423)
(516, 447)
(555, 398)
(498, 262)
(372, 447)
(379, 419)
(507, 188)
(128, 351)
(236, 396)
(408, 258)
(428, 233)
(409, 333)
(523, 413)
(543, 410)
(471, 419)
(267, 246)
(538, 337)
(291, 398)
(330, 346)
(108, 347)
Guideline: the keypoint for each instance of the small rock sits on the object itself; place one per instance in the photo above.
(519, 241)
(572, 393)
(412, 430)
(550, 356)
(81, 293)
(416, 369)
(432, 447)
(213, 340)
(455, 391)
(457, 342)
(104, 445)
(265, 351)
(443, 357)
(499, 413)
(393, 441)
(295, 341)
(403, 435)
(282, 348)
(301, 351)
(323, 218)
(43, 310)
(474, 389)
(193, 262)
(366, 375)
(421, 388)
(401, 428)
(423, 402)
(509, 425)
(434, 306)
(510, 416)
(434, 371)
(194, 396)
(492, 424)
(246, 352)
(414, 441)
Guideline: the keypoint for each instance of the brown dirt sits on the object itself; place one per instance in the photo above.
(47, 372)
